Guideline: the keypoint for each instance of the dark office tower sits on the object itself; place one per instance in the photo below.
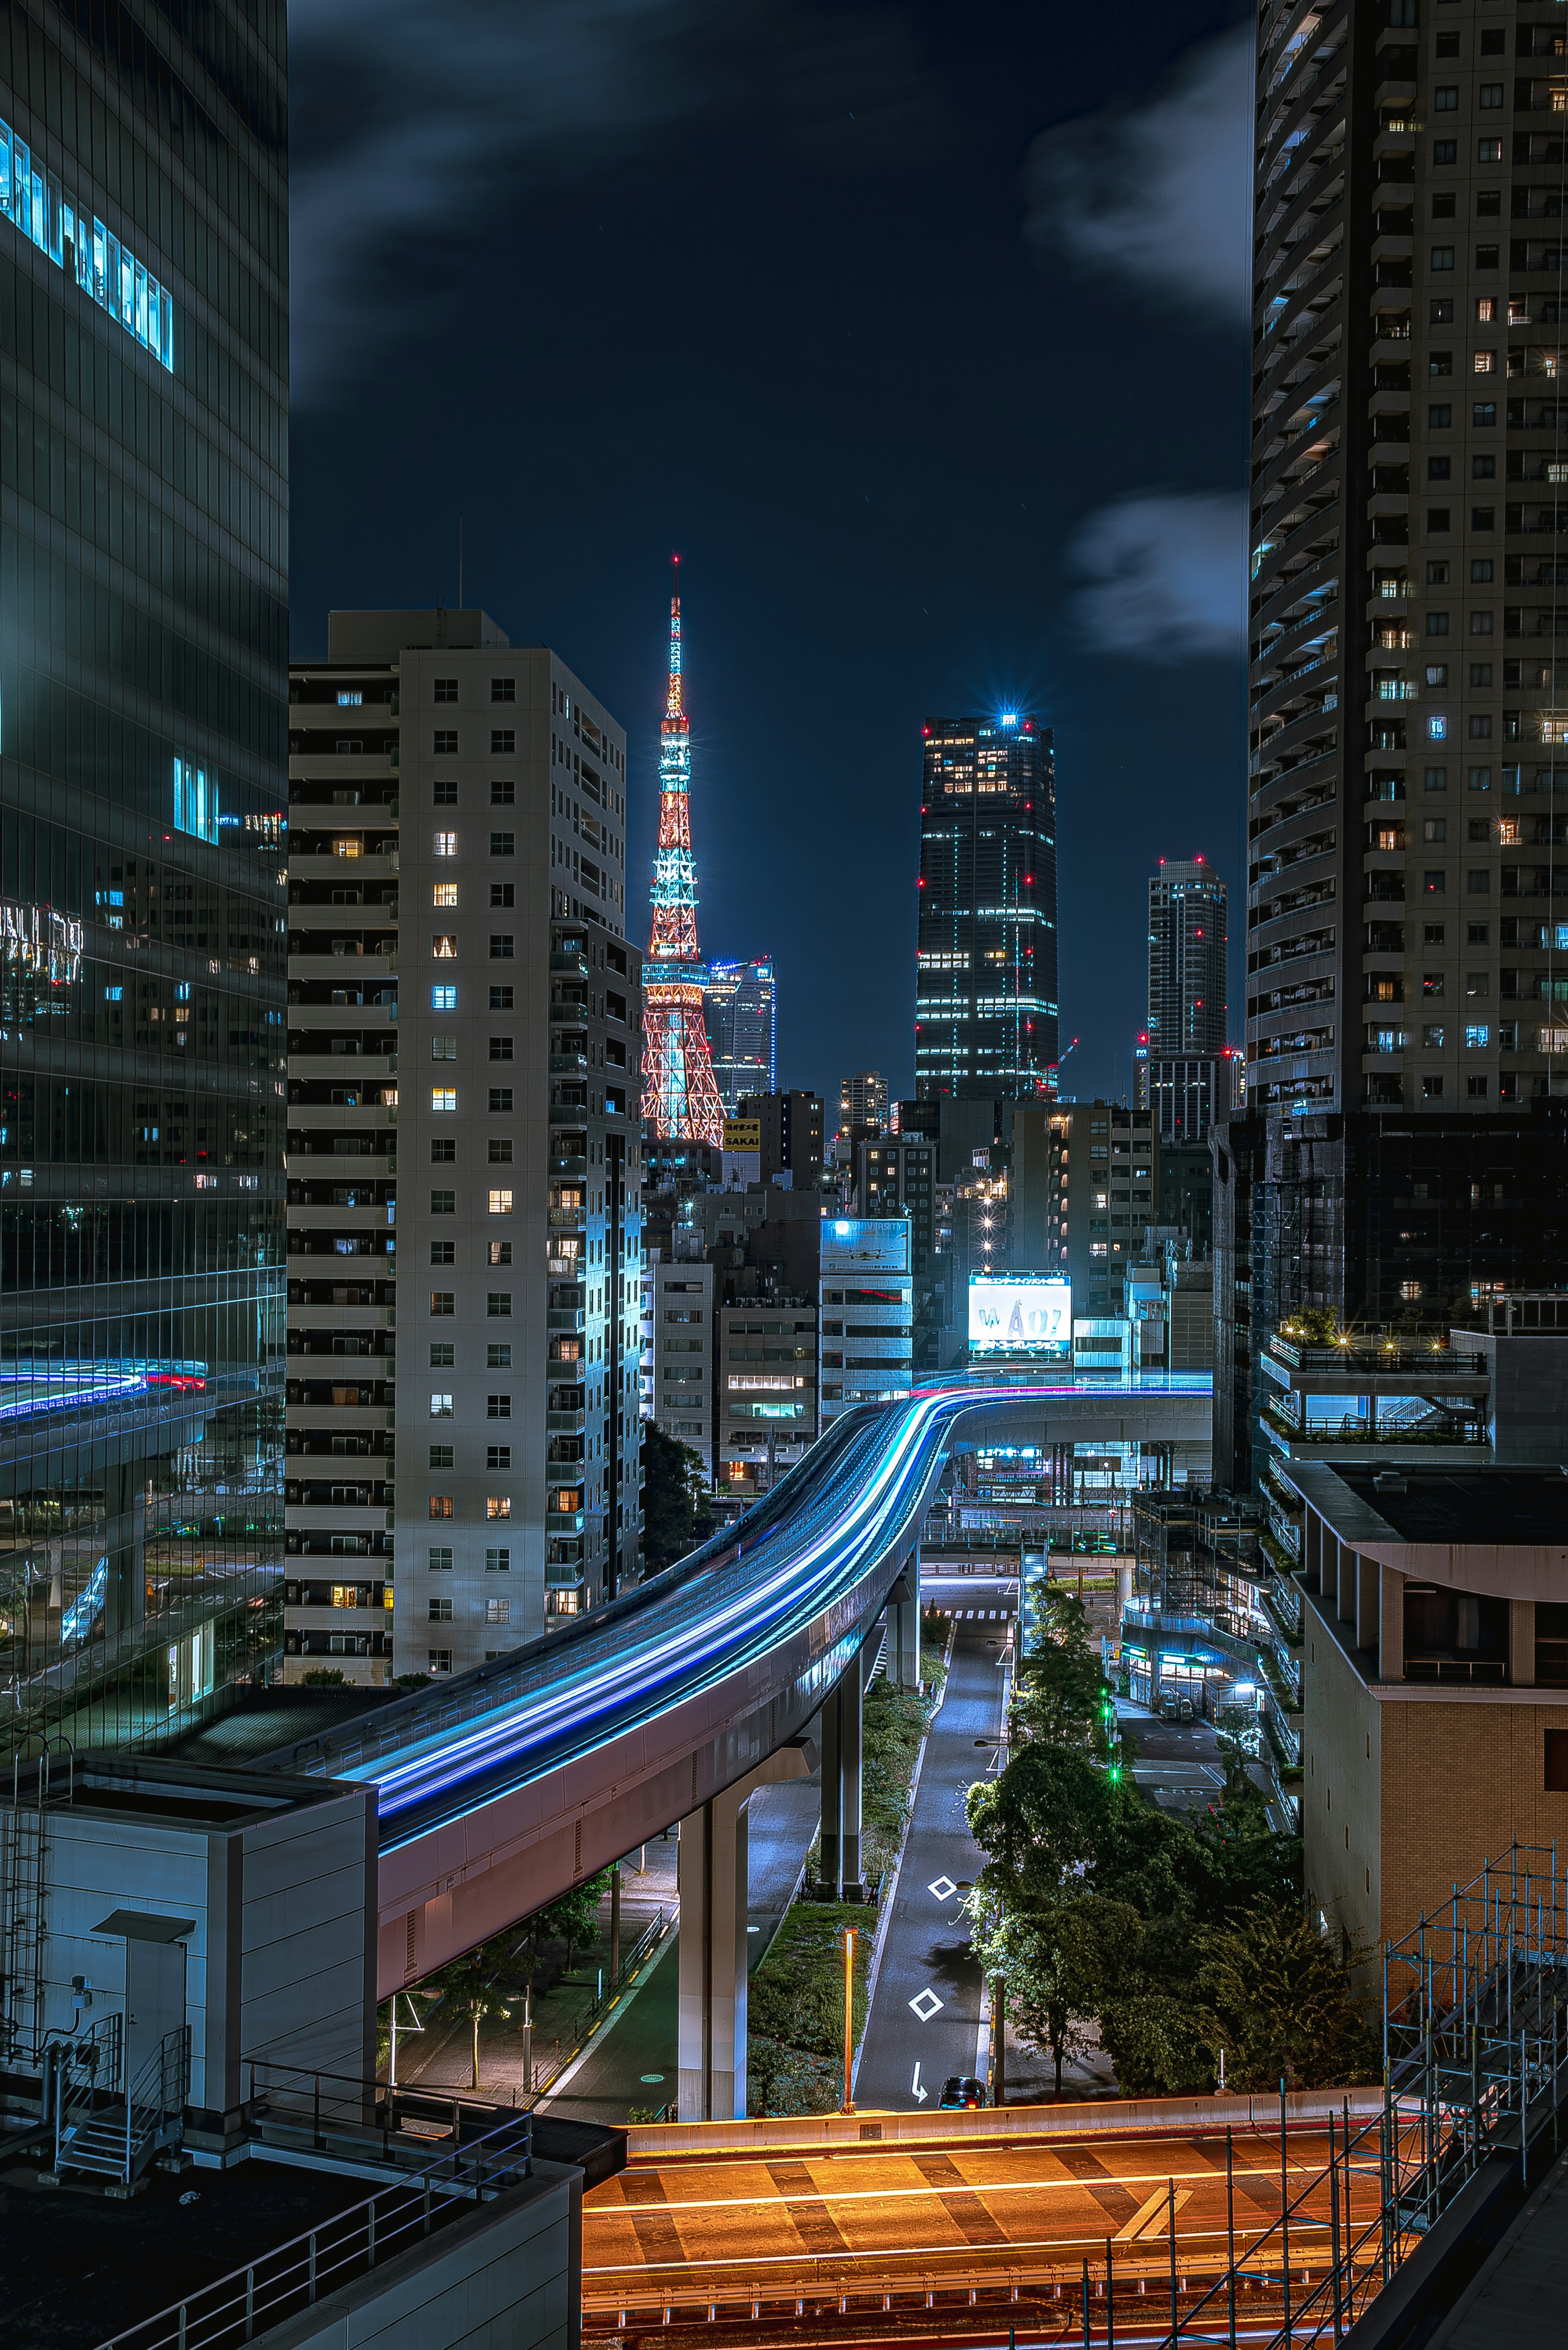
(143, 641)
(985, 988)
(1404, 954)
(1187, 938)
(1180, 1067)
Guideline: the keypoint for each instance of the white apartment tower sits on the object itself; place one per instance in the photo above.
(517, 1005)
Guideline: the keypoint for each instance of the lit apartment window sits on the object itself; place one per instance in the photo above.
(441, 1406)
(446, 844)
(498, 1611)
(498, 1506)
(443, 893)
(441, 1505)
(499, 1204)
(443, 1098)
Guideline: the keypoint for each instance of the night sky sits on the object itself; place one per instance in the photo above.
(918, 330)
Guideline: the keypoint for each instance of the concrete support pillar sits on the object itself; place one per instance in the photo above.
(1368, 1602)
(1521, 1643)
(711, 2026)
(711, 1863)
(1344, 1583)
(904, 1626)
(840, 1862)
(1391, 1625)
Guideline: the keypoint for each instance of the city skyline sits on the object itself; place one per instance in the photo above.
(854, 577)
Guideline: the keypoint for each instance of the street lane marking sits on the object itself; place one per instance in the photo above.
(1150, 2219)
(925, 2004)
(943, 1888)
(916, 2091)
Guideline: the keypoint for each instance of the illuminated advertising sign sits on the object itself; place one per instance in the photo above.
(1019, 1313)
(864, 1245)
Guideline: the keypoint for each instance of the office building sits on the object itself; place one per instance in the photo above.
(1433, 1682)
(143, 680)
(866, 1295)
(465, 847)
(740, 1012)
(862, 1108)
(790, 1127)
(985, 988)
(1187, 944)
(1401, 943)
(1181, 1062)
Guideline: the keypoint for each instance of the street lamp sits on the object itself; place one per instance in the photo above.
(848, 2104)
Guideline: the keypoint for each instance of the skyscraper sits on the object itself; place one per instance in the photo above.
(143, 644)
(1404, 959)
(985, 988)
(740, 1013)
(1181, 1069)
(1187, 940)
(681, 1100)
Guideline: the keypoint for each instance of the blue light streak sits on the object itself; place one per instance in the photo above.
(845, 1508)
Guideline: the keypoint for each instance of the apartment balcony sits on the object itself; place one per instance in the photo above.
(567, 1168)
(563, 1521)
(568, 1064)
(566, 965)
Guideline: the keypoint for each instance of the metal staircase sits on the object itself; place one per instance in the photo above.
(99, 2130)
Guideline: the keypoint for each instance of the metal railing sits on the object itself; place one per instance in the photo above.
(293, 2276)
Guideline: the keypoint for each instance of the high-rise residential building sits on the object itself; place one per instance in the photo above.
(1402, 952)
(143, 656)
(465, 847)
(790, 1138)
(897, 1176)
(985, 988)
(862, 1108)
(1085, 1189)
(740, 1013)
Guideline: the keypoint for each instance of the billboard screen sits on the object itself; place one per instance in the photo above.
(864, 1245)
(1019, 1313)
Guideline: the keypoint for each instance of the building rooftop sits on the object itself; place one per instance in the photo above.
(1485, 1507)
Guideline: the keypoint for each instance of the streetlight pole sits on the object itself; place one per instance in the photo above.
(848, 2104)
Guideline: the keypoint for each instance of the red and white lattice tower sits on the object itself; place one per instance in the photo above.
(680, 1099)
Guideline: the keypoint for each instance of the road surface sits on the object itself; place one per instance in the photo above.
(770, 2229)
(925, 2009)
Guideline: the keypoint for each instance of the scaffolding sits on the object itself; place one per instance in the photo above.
(1475, 2034)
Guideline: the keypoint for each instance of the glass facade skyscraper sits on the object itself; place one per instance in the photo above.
(144, 730)
(985, 989)
(740, 1013)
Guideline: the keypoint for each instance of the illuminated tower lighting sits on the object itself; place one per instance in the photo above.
(680, 1100)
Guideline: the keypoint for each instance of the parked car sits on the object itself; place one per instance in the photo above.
(961, 2091)
(1169, 1705)
(1186, 1709)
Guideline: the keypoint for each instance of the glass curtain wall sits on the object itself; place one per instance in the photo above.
(143, 729)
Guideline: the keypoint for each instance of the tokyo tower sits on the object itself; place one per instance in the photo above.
(680, 1099)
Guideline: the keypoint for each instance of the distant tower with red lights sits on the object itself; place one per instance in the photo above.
(679, 1099)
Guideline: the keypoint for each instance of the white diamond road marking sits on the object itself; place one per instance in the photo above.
(943, 1888)
(925, 2004)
